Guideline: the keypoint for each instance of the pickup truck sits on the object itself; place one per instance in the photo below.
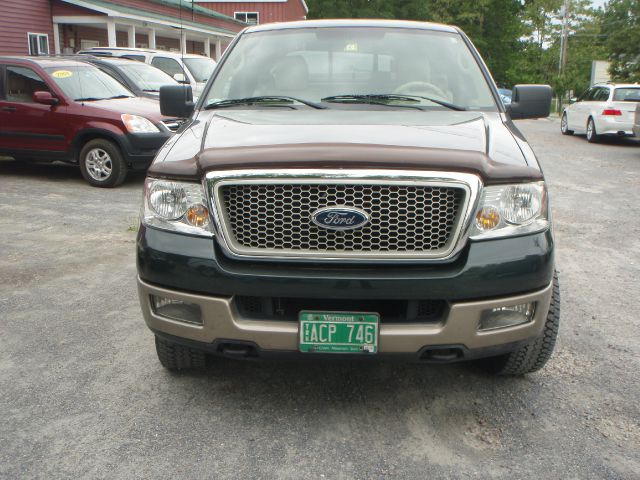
(350, 189)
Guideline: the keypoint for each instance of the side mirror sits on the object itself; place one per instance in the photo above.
(530, 101)
(573, 100)
(45, 98)
(180, 78)
(176, 101)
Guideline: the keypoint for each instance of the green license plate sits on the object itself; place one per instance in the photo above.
(339, 332)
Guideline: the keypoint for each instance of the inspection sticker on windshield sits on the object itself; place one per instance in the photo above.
(62, 74)
(338, 332)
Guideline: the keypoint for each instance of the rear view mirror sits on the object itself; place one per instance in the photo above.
(45, 98)
(530, 101)
(176, 101)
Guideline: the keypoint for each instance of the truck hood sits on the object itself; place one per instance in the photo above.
(473, 142)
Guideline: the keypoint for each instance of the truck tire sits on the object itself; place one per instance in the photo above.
(534, 355)
(101, 163)
(176, 357)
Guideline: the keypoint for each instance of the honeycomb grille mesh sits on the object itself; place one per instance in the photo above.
(403, 218)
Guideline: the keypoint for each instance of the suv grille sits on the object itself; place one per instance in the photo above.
(405, 218)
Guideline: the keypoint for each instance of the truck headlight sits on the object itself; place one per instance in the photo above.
(509, 210)
(176, 206)
(137, 124)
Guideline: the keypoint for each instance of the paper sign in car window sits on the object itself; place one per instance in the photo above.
(62, 74)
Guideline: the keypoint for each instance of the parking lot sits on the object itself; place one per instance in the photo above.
(83, 395)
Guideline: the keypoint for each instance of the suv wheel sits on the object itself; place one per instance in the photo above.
(592, 135)
(101, 163)
(564, 125)
(534, 355)
(178, 357)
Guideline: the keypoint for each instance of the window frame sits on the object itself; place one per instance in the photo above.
(246, 14)
(38, 36)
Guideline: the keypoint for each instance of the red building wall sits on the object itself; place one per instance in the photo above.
(17, 17)
(268, 11)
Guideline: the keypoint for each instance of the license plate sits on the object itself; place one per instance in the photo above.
(338, 332)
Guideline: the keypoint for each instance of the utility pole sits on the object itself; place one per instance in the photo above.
(564, 37)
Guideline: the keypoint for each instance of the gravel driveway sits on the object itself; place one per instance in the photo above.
(82, 394)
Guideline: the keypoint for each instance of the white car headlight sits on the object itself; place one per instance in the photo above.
(176, 206)
(137, 124)
(509, 210)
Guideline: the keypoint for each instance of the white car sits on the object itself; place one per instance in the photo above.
(604, 109)
(189, 68)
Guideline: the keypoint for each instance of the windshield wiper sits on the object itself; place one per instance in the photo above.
(272, 99)
(115, 97)
(87, 99)
(150, 90)
(384, 98)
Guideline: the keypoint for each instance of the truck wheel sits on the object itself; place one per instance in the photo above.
(534, 355)
(178, 357)
(101, 163)
(564, 125)
(592, 135)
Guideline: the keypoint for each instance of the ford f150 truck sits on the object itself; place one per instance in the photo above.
(350, 188)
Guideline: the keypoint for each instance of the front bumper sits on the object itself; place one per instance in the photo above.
(222, 323)
(139, 149)
(484, 275)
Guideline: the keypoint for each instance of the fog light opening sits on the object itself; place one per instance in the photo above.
(508, 316)
(176, 310)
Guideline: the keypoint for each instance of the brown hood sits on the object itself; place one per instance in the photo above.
(469, 142)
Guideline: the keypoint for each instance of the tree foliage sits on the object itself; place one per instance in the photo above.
(621, 25)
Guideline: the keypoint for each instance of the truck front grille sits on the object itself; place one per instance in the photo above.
(403, 218)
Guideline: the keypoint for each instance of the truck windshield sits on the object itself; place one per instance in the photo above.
(354, 65)
(87, 83)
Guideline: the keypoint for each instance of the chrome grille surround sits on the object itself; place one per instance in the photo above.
(429, 185)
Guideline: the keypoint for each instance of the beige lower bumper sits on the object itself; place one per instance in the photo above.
(222, 321)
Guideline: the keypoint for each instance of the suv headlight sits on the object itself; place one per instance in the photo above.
(137, 124)
(176, 206)
(509, 210)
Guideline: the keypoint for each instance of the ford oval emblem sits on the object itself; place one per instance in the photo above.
(340, 218)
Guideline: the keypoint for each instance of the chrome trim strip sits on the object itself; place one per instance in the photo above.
(471, 183)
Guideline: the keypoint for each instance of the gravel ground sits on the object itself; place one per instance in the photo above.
(82, 394)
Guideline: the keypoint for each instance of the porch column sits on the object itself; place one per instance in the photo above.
(152, 38)
(183, 42)
(131, 33)
(56, 39)
(218, 49)
(111, 33)
(207, 47)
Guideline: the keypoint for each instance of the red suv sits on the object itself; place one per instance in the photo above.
(60, 109)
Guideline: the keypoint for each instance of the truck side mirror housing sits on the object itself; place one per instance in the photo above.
(530, 101)
(176, 101)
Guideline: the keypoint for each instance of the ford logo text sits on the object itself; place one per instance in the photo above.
(340, 218)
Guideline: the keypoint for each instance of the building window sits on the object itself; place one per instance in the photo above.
(247, 17)
(38, 44)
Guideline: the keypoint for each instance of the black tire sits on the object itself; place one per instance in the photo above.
(101, 163)
(592, 135)
(176, 357)
(534, 355)
(564, 125)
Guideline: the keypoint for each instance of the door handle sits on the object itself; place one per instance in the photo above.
(8, 109)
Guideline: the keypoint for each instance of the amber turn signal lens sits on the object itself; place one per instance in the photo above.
(197, 215)
(488, 218)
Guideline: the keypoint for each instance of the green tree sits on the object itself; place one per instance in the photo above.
(621, 25)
